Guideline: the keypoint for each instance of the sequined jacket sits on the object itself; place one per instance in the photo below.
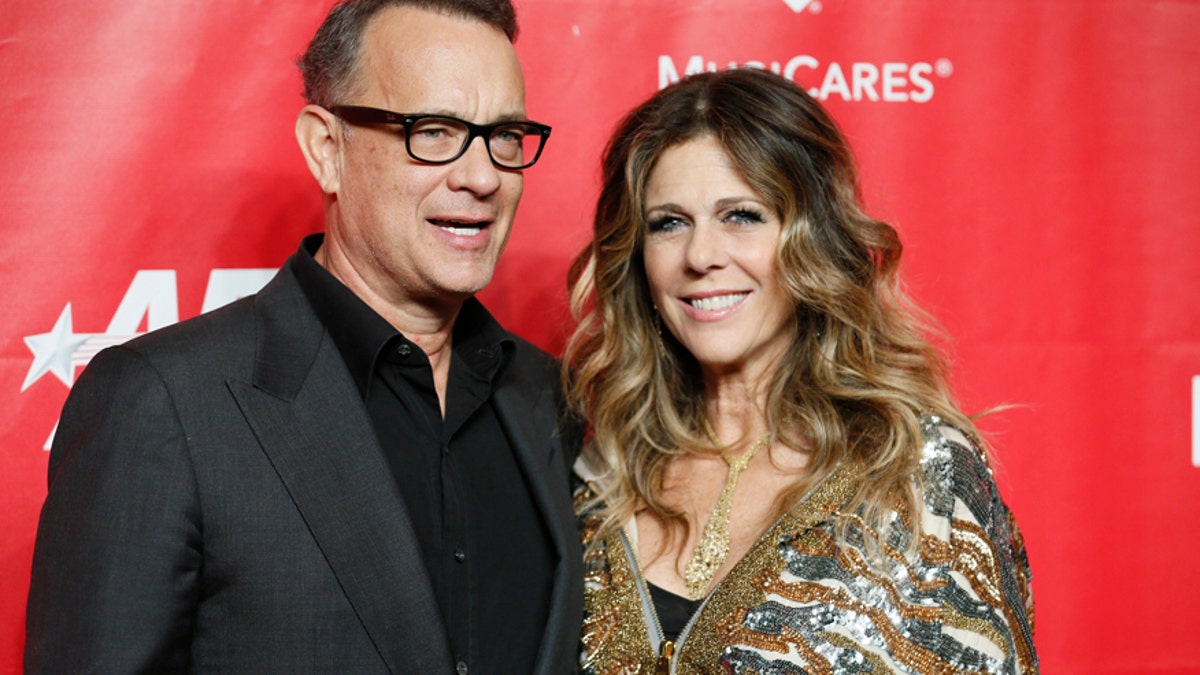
(800, 603)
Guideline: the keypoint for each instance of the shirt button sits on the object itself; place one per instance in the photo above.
(404, 350)
(461, 556)
(461, 668)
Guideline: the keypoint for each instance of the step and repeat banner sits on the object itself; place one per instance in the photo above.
(1041, 159)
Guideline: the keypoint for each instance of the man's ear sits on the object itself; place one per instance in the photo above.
(320, 138)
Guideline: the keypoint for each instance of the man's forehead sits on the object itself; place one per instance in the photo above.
(440, 63)
(400, 33)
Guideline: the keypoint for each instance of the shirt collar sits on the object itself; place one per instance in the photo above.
(361, 334)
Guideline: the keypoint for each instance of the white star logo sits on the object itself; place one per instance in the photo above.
(53, 352)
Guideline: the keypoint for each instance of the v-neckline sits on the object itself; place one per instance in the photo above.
(817, 505)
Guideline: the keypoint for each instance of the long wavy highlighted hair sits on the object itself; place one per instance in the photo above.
(861, 368)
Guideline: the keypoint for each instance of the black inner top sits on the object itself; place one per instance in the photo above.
(674, 611)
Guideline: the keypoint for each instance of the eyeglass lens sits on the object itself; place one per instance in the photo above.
(437, 139)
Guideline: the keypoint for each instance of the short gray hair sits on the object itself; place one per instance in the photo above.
(329, 64)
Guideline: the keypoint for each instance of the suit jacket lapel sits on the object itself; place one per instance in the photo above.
(307, 415)
(527, 410)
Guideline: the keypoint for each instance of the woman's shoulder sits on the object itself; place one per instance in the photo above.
(962, 500)
(954, 468)
(964, 507)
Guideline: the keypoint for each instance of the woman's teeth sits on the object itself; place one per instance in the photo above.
(717, 302)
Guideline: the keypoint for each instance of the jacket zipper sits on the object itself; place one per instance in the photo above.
(666, 658)
(666, 649)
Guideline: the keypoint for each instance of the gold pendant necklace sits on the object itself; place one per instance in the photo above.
(713, 546)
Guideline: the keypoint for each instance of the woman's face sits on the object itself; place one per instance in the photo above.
(710, 256)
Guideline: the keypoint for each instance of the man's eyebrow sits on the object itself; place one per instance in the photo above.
(508, 117)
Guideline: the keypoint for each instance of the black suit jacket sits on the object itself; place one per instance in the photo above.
(218, 502)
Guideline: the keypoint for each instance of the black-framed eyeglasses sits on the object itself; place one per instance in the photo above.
(440, 139)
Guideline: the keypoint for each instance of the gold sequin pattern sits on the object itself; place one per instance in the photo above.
(615, 638)
(800, 602)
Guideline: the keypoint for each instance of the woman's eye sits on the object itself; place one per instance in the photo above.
(665, 224)
(744, 216)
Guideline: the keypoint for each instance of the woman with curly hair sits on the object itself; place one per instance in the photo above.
(777, 477)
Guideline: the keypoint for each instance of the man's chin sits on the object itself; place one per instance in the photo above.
(464, 286)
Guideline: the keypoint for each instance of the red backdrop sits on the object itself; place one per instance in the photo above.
(1040, 158)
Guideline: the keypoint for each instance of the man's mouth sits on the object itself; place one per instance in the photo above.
(460, 228)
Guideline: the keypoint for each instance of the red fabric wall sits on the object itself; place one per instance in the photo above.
(1039, 157)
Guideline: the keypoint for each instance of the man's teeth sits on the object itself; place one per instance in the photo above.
(717, 302)
(460, 229)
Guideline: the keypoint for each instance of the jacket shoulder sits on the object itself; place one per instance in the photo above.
(223, 339)
(955, 467)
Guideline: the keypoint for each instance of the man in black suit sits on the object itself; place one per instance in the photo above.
(357, 469)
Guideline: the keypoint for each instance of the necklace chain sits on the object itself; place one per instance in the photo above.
(713, 547)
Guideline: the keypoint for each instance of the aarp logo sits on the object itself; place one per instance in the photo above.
(152, 296)
(810, 6)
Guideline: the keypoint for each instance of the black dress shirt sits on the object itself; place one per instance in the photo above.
(484, 542)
